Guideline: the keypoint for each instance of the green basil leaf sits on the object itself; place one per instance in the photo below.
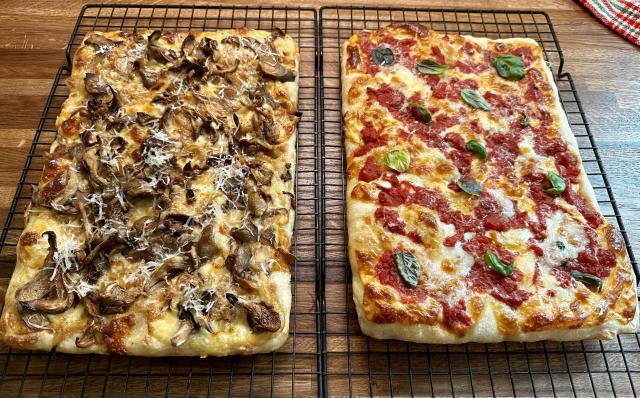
(475, 100)
(474, 146)
(470, 186)
(408, 267)
(525, 120)
(426, 115)
(383, 56)
(560, 245)
(591, 281)
(509, 66)
(557, 184)
(564, 264)
(493, 261)
(398, 159)
(431, 67)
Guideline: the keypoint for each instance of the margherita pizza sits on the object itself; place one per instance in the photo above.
(163, 220)
(470, 215)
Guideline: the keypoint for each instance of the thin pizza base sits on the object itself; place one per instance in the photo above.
(133, 333)
(485, 327)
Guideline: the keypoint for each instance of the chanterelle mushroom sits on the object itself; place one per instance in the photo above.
(261, 316)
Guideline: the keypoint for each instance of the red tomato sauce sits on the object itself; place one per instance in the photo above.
(370, 171)
(390, 219)
(455, 317)
(371, 138)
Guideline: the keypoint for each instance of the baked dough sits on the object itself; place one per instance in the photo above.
(546, 237)
(163, 220)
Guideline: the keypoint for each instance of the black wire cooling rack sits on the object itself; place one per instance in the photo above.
(294, 370)
(356, 365)
(326, 355)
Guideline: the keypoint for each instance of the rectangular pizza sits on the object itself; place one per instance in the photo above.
(162, 223)
(470, 216)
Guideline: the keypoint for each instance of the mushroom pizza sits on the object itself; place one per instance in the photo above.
(163, 219)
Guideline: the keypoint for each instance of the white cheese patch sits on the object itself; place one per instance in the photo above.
(562, 228)
(504, 201)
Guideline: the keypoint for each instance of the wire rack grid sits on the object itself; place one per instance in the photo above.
(294, 370)
(357, 365)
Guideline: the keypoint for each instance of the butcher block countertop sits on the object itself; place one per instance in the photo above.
(33, 39)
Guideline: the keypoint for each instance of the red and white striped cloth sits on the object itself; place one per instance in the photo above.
(623, 16)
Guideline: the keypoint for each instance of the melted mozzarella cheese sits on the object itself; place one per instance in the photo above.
(562, 228)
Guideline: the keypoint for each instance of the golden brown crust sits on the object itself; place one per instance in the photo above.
(458, 299)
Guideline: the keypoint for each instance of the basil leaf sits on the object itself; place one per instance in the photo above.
(493, 261)
(560, 245)
(509, 66)
(426, 115)
(475, 100)
(474, 146)
(557, 184)
(408, 267)
(470, 186)
(525, 120)
(383, 56)
(398, 160)
(431, 67)
(591, 281)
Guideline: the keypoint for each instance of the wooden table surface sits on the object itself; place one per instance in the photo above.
(605, 68)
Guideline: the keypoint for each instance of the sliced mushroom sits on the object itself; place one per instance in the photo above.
(261, 316)
(103, 246)
(206, 246)
(46, 292)
(145, 225)
(92, 163)
(115, 300)
(53, 305)
(149, 77)
(272, 68)
(177, 223)
(89, 137)
(95, 85)
(138, 188)
(100, 42)
(268, 236)
(144, 119)
(261, 173)
(208, 46)
(88, 336)
(190, 195)
(188, 45)
(157, 52)
(40, 285)
(255, 201)
(184, 330)
(229, 69)
(61, 201)
(246, 234)
(286, 174)
(171, 267)
(239, 265)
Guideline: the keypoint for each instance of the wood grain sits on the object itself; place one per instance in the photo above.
(33, 36)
